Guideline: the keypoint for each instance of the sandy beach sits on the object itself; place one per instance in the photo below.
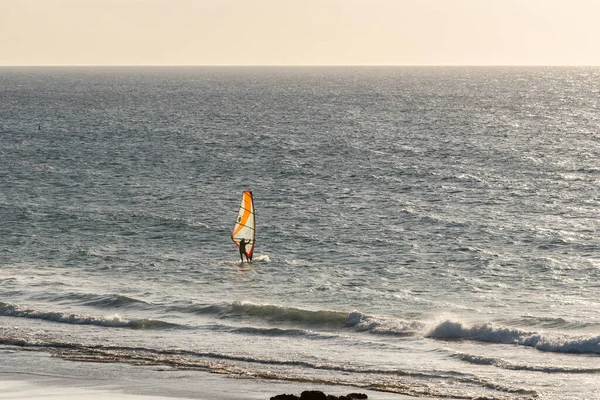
(37, 375)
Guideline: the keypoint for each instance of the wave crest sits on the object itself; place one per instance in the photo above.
(488, 332)
(275, 313)
(384, 326)
(115, 321)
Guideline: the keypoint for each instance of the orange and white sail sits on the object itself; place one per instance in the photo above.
(244, 224)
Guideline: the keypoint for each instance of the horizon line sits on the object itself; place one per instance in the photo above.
(288, 65)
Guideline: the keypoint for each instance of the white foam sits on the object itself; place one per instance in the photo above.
(115, 320)
(489, 332)
(262, 258)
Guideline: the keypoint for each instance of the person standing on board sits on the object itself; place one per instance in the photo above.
(243, 253)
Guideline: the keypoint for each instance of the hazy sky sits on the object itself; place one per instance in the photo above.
(299, 32)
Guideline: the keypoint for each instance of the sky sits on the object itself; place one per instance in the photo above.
(299, 32)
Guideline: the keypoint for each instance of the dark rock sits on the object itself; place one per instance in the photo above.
(285, 397)
(318, 395)
(357, 396)
(353, 396)
(313, 395)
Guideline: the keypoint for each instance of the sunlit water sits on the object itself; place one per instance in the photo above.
(426, 231)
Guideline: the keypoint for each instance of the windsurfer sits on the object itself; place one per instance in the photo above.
(243, 253)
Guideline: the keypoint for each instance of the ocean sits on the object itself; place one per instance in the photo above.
(429, 231)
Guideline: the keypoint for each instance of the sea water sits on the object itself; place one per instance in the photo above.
(425, 231)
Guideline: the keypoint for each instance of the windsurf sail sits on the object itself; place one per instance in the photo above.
(244, 224)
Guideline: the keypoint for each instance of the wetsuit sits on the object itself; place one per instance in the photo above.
(243, 253)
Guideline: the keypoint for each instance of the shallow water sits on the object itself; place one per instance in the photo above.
(426, 231)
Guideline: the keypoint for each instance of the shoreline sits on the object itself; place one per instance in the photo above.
(36, 374)
(33, 386)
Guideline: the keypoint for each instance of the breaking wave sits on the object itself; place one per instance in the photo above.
(488, 332)
(297, 319)
(383, 326)
(115, 321)
(315, 319)
(359, 322)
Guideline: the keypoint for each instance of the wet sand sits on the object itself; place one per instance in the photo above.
(29, 375)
